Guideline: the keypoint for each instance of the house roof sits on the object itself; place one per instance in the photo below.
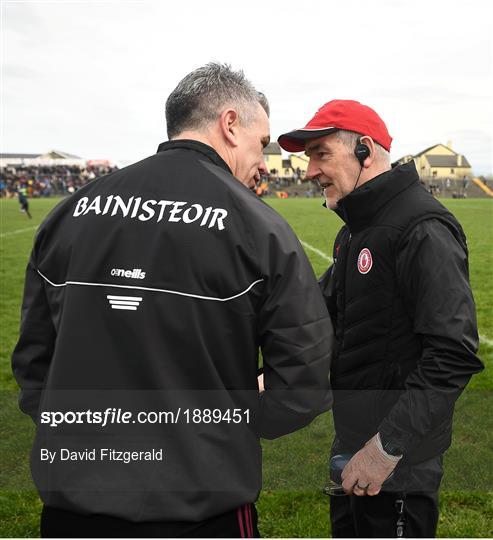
(446, 161)
(272, 148)
(430, 148)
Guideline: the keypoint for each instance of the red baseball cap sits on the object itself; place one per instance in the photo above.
(334, 115)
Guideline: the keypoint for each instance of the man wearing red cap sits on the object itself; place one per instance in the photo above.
(399, 296)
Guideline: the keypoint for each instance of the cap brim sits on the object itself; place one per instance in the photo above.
(294, 141)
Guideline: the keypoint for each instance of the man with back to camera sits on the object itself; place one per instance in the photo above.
(404, 318)
(162, 280)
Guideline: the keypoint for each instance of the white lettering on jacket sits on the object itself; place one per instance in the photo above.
(135, 207)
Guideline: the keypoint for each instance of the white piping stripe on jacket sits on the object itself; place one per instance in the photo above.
(150, 289)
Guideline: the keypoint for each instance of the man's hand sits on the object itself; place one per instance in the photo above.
(367, 470)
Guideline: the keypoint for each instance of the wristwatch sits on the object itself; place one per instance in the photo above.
(391, 448)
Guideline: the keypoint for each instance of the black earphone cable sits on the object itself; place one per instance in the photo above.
(357, 179)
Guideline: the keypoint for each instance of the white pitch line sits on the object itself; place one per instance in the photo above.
(18, 231)
(317, 251)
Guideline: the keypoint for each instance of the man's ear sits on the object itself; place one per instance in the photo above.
(373, 151)
(229, 122)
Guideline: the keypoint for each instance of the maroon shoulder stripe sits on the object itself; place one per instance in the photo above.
(240, 522)
(250, 519)
(248, 525)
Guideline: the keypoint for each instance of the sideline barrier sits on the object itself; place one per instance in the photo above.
(481, 185)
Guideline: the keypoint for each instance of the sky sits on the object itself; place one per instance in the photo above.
(91, 78)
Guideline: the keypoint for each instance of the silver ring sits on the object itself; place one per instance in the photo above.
(364, 488)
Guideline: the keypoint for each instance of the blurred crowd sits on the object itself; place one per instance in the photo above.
(48, 180)
(45, 181)
(284, 186)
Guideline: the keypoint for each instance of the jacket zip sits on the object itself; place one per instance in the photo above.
(340, 344)
(348, 246)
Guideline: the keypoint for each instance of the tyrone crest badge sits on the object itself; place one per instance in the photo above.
(365, 261)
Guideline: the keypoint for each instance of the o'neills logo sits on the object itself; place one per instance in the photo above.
(136, 273)
(365, 261)
(136, 208)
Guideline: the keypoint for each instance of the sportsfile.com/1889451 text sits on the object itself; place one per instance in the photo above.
(113, 415)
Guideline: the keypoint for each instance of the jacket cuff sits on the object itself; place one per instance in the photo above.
(399, 438)
(29, 401)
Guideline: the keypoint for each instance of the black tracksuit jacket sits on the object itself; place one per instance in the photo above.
(404, 317)
(153, 288)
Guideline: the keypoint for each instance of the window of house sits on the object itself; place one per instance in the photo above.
(452, 171)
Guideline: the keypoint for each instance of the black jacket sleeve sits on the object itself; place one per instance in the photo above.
(295, 335)
(34, 349)
(432, 272)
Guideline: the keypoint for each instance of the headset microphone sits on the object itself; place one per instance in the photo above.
(362, 151)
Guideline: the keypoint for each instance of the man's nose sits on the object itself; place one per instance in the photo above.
(262, 168)
(312, 172)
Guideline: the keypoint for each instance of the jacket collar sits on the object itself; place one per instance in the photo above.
(198, 146)
(359, 207)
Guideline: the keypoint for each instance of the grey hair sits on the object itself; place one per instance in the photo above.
(350, 140)
(200, 97)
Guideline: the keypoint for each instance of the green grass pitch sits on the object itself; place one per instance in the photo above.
(295, 467)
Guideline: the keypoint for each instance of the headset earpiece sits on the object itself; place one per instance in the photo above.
(362, 151)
